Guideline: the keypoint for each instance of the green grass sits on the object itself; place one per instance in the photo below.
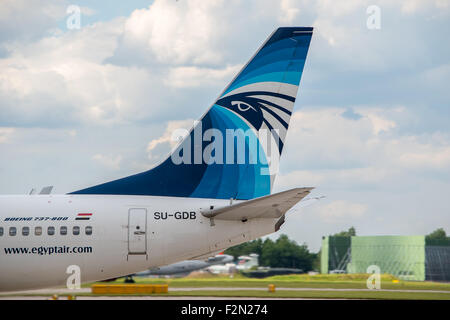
(343, 281)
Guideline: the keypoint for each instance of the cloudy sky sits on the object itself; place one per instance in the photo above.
(371, 123)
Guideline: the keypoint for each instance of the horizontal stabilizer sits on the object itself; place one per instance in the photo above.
(271, 206)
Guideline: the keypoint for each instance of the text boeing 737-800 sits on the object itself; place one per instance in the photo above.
(212, 192)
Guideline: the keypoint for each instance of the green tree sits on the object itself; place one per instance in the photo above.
(438, 234)
(437, 238)
(286, 253)
(246, 248)
(351, 232)
(281, 253)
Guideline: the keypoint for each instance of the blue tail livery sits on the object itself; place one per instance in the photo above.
(259, 99)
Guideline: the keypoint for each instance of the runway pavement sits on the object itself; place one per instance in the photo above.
(45, 293)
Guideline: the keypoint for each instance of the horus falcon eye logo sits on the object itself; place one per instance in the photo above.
(253, 105)
(262, 107)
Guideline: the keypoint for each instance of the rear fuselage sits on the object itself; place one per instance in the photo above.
(107, 236)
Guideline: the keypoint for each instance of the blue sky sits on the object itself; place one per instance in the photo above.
(370, 128)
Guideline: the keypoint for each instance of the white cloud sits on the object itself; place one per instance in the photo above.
(333, 9)
(184, 77)
(61, 80)
(174, 133)
(5, 134)
(75, 77)
(27, 20)
(178, 32)
(380, 124)
(336, 178)
(325, 136)
(419, 155)
(88, 11)
(340, 210)
(414, 6)
(331, 150)
(111, 162)
(72, 133)
(289, 11)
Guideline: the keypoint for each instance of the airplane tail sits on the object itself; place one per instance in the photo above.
(232, 152)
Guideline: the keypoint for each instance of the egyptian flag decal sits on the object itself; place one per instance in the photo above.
(83, 216)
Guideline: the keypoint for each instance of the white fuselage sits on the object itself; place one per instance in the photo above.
(118, 235)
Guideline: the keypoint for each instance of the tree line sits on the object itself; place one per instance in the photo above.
(286, 253)
(281, 253)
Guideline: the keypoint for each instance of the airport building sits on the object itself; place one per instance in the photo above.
(405, 257)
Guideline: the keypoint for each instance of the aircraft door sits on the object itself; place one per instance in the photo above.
(137, 231)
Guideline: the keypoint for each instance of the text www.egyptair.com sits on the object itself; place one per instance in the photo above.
(49, 250)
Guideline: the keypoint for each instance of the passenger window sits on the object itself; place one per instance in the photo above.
(25, 231)
(76, 231)
(38, 231)
(1, 231)
(51, 231)
(12, 231)
(63, 231)
(88, 230)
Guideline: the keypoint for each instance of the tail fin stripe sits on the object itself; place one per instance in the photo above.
(276, 116)
(294, 78)
(264, 67)
(289, 90)
(263, 93)
(266, 102)
(276, 136)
